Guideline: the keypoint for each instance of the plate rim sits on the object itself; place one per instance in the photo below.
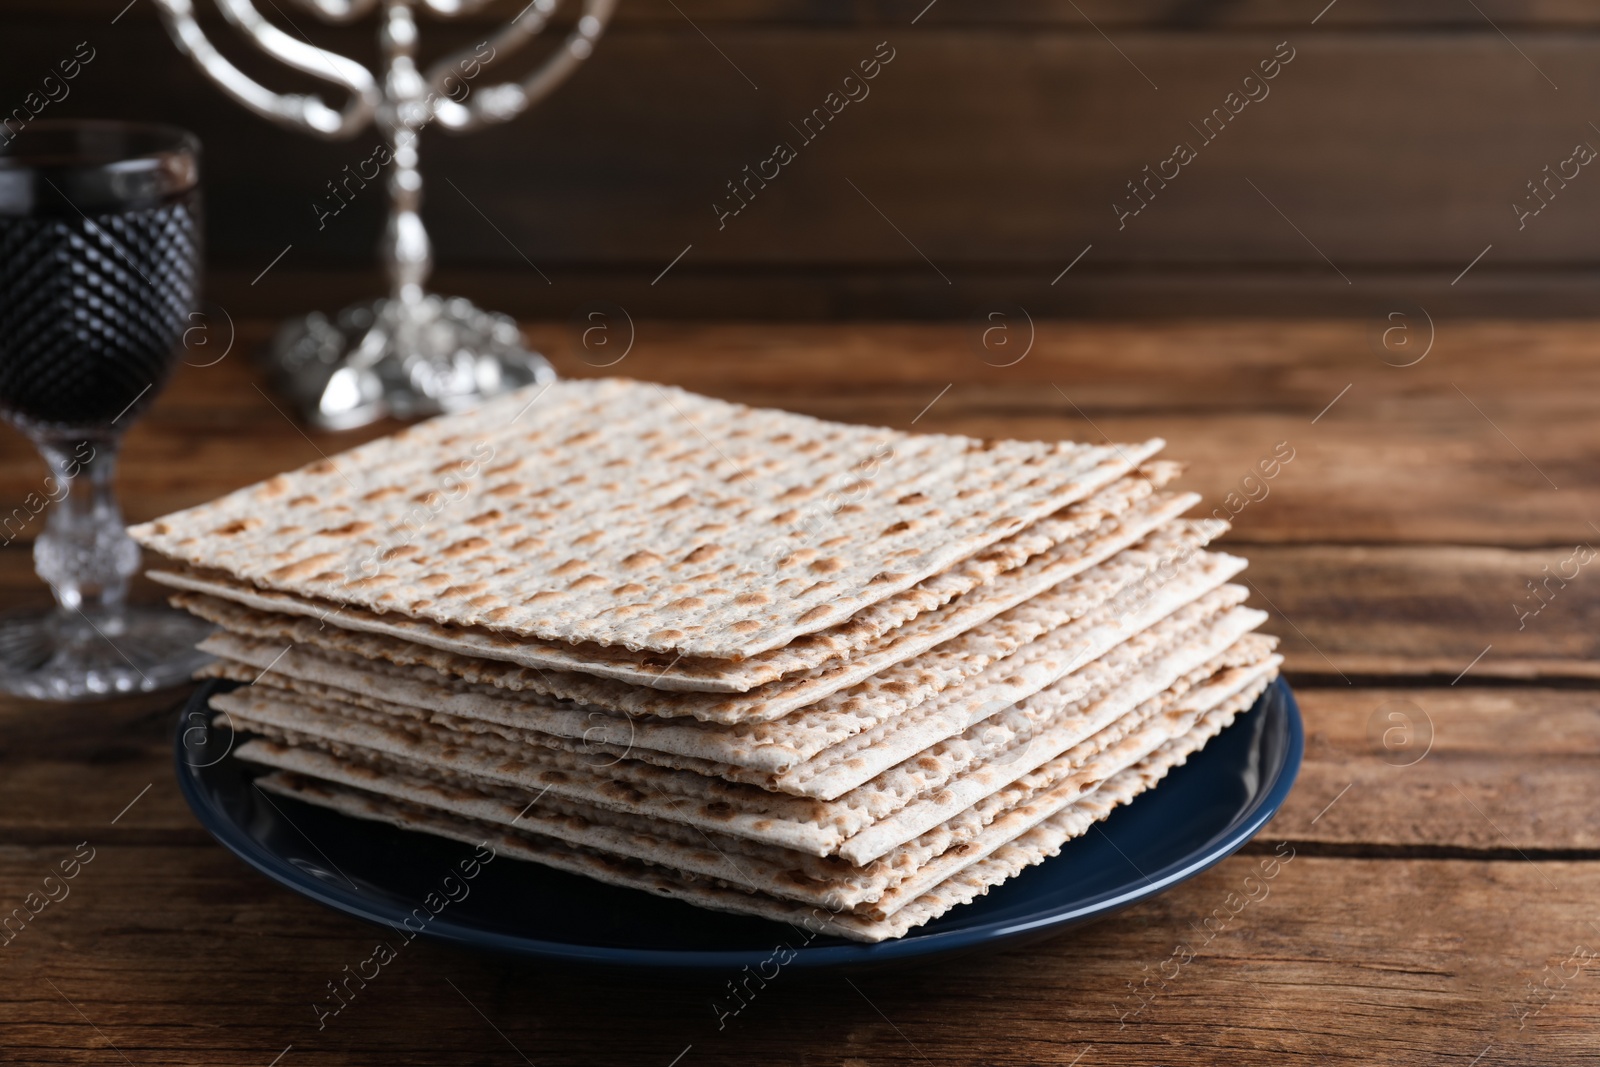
(1269, 799)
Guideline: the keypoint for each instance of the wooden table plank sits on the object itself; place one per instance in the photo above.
(1402, 457)
(67, 770)
(1326, 961)
(1510, 771)
(1429, 611)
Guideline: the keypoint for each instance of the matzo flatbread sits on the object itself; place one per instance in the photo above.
(825, 777)
(1104, 639)
(903, 876)
(1011, 813)
(973, 771)
(972, 881)
(802, 824)
(1047, 839)
(636, 515)
(1004, 576)
(1006, 658)
(1162, 556)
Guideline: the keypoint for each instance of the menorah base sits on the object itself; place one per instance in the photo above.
(400, 359)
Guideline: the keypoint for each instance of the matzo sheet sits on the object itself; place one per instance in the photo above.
(973, 880)
(1007, 657)
(636, 515)
(803, 824)
(1161, 556)
(903, 876)
(843, 655)
(835, 767)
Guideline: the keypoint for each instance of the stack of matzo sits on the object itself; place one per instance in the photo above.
(752, 660)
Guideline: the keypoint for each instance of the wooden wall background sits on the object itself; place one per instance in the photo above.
(1386, 157)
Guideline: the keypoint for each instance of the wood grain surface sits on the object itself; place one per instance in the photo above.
(1440, 905)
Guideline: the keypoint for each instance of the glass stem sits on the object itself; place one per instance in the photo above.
(85, 552)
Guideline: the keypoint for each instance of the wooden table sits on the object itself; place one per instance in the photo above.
(1443, 900)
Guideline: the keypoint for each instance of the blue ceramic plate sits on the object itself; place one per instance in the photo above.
(1200, 814)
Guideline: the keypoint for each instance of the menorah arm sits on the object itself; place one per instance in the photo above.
(499, 103)
(338, 10)
(450, 7)
(293, 110)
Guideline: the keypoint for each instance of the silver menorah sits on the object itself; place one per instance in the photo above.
(413, 352)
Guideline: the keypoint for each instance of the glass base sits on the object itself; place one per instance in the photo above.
(391, 359)
(63, 655)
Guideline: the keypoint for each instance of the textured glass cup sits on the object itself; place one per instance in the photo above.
(99, 273)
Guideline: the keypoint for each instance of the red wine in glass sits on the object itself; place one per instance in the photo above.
(99, 275)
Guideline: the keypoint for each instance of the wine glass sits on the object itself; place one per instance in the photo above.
(99, 273)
